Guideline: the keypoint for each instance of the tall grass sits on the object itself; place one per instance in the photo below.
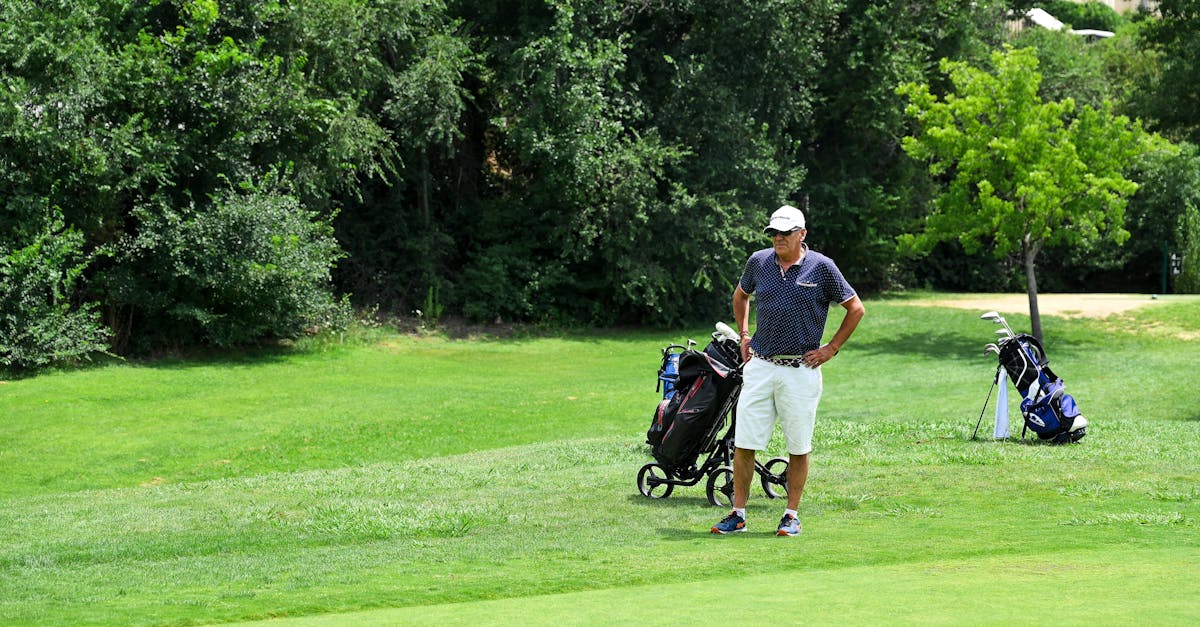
(412, 472)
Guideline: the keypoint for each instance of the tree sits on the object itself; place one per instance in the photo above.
(629, 152)
(1018, 173)
(863, 190)
(1069, 67)
(1091, 73)
(1172, 104)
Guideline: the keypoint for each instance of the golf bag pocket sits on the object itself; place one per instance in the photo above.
(664, 414)
(1052, 414)
(1040, 417)
(688, 421)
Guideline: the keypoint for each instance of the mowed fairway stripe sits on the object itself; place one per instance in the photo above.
(1108, 586)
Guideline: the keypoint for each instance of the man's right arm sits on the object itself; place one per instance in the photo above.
(741, 319)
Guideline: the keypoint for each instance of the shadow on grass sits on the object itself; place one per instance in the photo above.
(678, 534)
(675, 501)
(935, 345)
(200, 358)
(179, 359)
(458, 329)
(945, 345)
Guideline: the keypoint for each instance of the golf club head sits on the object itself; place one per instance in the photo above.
(726, 331)
(991, 315)
(991, 348)
(1005, 332)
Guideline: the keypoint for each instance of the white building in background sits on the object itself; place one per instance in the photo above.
(1043, 19)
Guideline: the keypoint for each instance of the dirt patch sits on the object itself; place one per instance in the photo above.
(1066, 305)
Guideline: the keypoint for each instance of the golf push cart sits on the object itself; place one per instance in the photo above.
(700, 392)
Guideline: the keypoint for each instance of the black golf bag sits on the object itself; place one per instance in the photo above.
(1048, 410)
(698, 388)
(697, 419)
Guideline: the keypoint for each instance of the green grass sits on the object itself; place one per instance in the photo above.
(426, 480)
(977, 590)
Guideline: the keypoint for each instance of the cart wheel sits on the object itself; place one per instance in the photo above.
(652, 482)
(720, 487)
(774, 481)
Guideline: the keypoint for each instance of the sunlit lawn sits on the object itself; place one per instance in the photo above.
(392, 474)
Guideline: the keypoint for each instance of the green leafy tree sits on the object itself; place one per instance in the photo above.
(863, 190)
(251, 265)
(731, 99)
(1172, 104)
(1019, 173)
(1165, 212)
(409, 69)
(1070, 67)
(1091, 73)
(1168, 178)
(630, 152)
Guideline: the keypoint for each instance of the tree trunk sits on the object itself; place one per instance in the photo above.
(423, 194)
(1029, 253)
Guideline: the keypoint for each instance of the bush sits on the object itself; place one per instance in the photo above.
(38, 324)
(249, 267)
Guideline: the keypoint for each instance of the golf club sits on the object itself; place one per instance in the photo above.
(998, 319)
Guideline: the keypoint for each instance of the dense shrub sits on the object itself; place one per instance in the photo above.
(131, 116)
(245, 267)
(39, 324)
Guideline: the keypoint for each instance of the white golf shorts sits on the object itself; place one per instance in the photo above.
(769, 393)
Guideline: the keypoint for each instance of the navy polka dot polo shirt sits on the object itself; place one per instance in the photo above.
(792, 307)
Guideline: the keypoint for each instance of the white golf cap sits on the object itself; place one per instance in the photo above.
(785, 218)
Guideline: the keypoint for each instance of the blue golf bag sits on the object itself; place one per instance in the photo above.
(668, 372)
(1048, 410)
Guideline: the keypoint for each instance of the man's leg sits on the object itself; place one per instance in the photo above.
(798, 413)
(755, 421)
(797, 475)
(743, 472)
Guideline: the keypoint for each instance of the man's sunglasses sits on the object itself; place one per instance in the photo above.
(773, 232)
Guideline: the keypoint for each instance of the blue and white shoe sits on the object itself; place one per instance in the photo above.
(789, 526)
(730, 524)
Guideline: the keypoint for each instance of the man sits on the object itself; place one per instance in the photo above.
(794, 287)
